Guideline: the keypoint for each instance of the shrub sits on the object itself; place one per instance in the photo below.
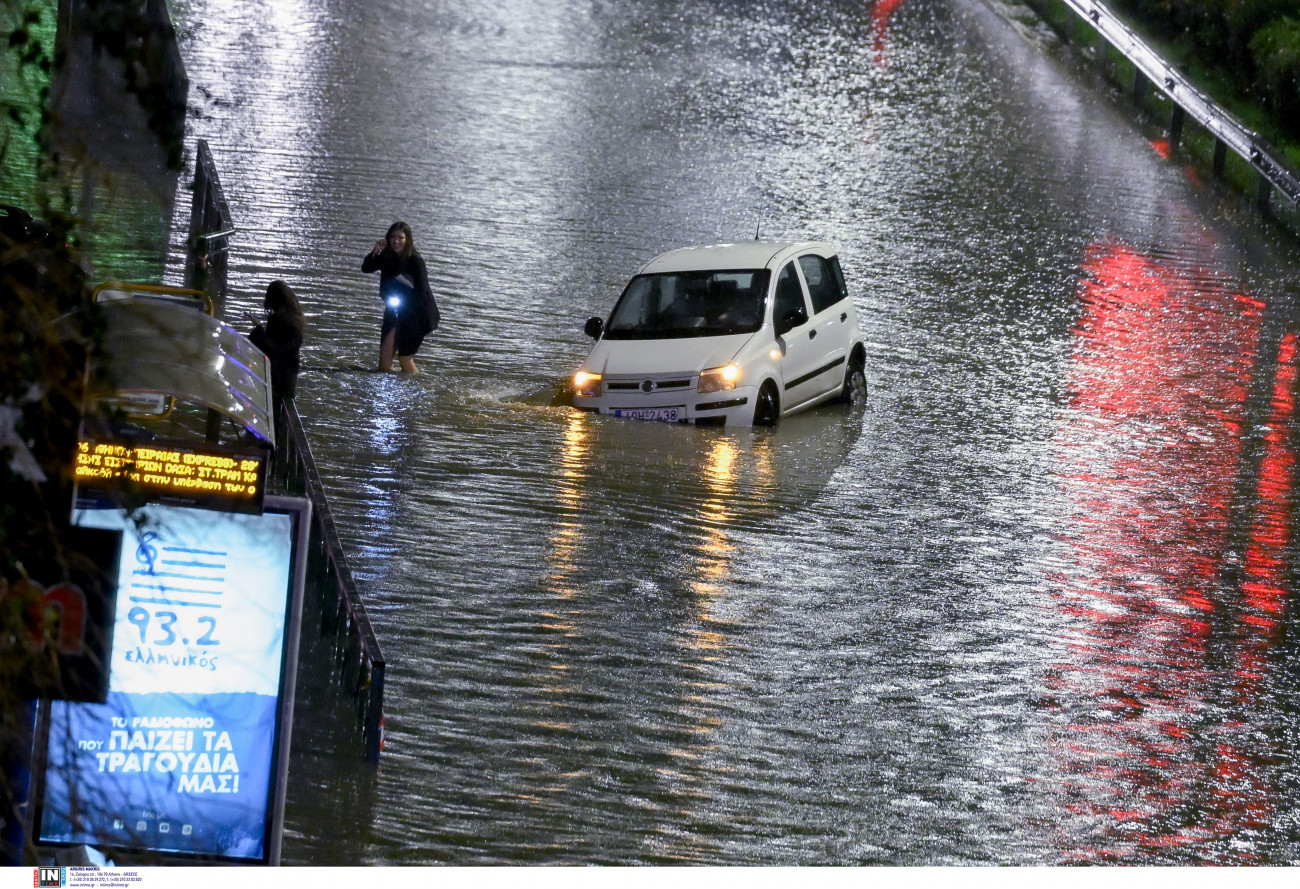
(1276, 52)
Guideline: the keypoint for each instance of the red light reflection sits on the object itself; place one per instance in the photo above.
(880, 15)
(1265, 581)
(1164, 355)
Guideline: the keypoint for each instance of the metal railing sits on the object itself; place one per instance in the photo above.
(210, 228)
(357, 653)
(329, 579)
(1228, 132)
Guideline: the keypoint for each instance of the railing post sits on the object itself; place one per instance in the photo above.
(1141, 84)
(1265, 193)
(1176, 118)
(1220, 157)
(194, 276)
(374, 726)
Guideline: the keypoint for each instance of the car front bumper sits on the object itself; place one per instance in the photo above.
(731, 407)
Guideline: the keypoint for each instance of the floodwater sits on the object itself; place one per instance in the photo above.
(1028, 606)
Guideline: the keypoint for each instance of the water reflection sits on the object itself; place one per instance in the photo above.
(572, 467)
(1264, 585)
(1156, 756)
(626, 609)
(881, 12)
(614, 642)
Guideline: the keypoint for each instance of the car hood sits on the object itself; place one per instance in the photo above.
(638, 357)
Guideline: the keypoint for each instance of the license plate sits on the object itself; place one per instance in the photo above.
(664, 414)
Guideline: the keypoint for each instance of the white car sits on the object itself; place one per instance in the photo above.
(730, 334)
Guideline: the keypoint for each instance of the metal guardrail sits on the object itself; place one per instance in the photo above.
(1227, 131)
(358, 656)
(210, 228)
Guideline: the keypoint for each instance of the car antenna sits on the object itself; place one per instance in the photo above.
(758, 228)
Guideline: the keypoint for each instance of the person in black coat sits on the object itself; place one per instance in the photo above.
(410, 311)
(279, 336)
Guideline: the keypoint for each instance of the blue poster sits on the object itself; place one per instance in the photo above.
(180, 757)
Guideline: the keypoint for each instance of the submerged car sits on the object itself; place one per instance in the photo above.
(729, 334)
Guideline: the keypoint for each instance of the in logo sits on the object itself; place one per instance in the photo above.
(51, 877)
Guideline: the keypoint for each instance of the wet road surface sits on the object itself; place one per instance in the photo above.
(1028, 606)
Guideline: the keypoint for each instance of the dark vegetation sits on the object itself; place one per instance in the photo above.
(42, 365)
(42, 360)
(1249, 49)
(48, 330)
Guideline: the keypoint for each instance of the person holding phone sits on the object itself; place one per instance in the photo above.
(278, 334)
(410, 311)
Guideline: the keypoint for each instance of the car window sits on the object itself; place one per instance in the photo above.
(642, 302)
(789, 295)
(839, 277)
(690, 304)
(823, 289)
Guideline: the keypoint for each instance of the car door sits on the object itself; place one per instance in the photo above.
(829, 324)
(798, 338)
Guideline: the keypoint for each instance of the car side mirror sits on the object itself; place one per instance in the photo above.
(790, 320)
(594, 327)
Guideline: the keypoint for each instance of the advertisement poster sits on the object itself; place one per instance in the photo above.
(180, 757)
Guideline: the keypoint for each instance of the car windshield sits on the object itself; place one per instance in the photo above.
(684, 304)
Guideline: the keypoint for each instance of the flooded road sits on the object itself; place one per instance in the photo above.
(1028, 606)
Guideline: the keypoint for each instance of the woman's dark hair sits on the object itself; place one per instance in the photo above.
(406, 230)
(282, 303)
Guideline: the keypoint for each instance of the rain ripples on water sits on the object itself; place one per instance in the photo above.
(1029, 606)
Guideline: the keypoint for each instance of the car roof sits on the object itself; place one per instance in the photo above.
(741, 255)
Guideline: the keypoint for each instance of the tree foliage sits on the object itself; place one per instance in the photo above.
(1276, 49)
(1254, 45)
(47, 329)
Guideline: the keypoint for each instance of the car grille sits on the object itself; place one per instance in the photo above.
(628, 385)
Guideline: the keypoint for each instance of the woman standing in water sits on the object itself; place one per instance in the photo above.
(410, 311)
(279, 335)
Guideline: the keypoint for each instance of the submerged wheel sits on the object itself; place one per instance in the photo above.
(767, 407)
(854, 391)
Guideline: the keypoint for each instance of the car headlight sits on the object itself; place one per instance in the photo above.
(716, 379)
(586, 385)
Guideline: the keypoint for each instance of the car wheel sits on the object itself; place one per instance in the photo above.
(767, 407)
(854, 391)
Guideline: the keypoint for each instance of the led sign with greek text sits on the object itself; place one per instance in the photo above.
(182, 757)
(210, 479)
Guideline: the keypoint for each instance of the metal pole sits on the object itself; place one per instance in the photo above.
(1141, 84)
(1220, 156)
(1176, 119)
